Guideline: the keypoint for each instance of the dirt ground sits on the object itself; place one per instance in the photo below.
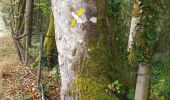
(18, 82)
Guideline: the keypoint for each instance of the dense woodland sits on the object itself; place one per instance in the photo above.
(96, 49)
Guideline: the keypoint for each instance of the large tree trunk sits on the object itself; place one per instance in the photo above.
(84, 49)
(70, 40)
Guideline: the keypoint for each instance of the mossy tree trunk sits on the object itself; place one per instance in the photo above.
(49, 42)
(49, 45)
(87, 54)
(136, 15)
(143, 32)
(143, 35)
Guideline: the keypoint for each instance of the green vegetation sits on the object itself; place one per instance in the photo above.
(103, 68)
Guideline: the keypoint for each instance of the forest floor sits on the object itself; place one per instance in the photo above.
(18, 82)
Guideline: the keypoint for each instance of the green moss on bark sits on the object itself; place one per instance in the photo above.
(49, 41)
(100, 68)
(144, 41)
(90, 89)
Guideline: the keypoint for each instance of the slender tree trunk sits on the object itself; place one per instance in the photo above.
(20, 17)
(28, 26)
(136, 15)
(28, 20)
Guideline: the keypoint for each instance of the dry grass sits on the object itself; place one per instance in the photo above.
(5, 65)
(7, 54)
(6, 45)
(7, 58)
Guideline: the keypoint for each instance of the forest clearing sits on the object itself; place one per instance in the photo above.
(84, 50)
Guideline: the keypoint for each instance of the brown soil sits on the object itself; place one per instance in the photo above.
(18, 82)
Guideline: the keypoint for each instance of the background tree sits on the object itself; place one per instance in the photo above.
(142, 38)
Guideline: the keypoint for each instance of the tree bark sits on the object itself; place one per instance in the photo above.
(141, 44)
(28, 26)
(84, 53)
(69, 40)
(28, 20)
(49, 41)
(49, 45)
(20, 9)
(136, 14)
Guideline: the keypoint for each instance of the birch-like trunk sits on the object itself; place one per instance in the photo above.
(141, 47)
(134, 22)
(133, 28)
(87, 54)
(69, 39)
